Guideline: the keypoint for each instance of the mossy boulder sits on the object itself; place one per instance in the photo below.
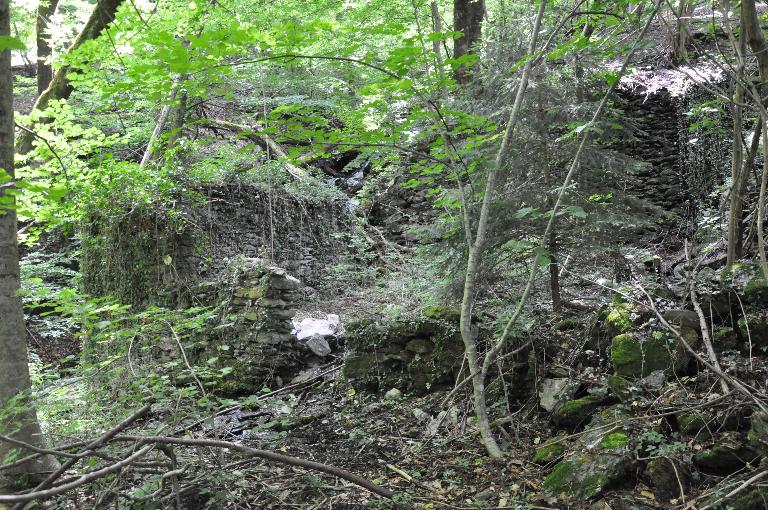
(619, 387)
(667, 477)
(754, 327)
(599, 459)
(635, 355)
(755, 499)
(549, 451)
(758, 433)
(747, 280)
(726, 458)
(611, 320)
(572, 413)
(725, 339)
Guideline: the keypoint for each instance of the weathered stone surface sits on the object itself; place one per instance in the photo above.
(416, 354)
(572, 413)
(758, 433)
(549, 451)
(636, 355)
(682, 318)
(598, 460)
(726, 457)
(310, 326)
(556, 391)
(318, 345)
(669, 478)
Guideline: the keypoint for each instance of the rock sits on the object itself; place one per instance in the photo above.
(600, 459)
(666, 476)
(420, 415)
(754, 327)
(309, 327)
(747, 280)
(318, 345)
(758, 433)
(619, 386)
(635, 356)
(573, 413)
(485, 495)
(549, 451)
(683, 318)
(555, 391)
(655, 380)
(393, 394)
(610, 321)
(755, 499)
(724, 459)
(419, 346)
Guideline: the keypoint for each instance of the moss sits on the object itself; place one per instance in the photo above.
(619, 387)
(567, 478)
(444, 313)
(614, 440)
(633, 357)
(573, 413)
(758, 432)
(568, 324)
(691, 423)
(549, 452)
(756, 499)
(556, 481)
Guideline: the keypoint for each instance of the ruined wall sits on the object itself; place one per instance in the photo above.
(145, 257)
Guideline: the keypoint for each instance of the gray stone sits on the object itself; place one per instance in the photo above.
(420, 346)
(318, 345)
(393, 394)
(555, 391)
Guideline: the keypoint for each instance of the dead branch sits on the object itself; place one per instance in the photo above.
(264, 454)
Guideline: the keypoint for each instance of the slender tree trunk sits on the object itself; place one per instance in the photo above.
(680, 37)
(14, 371)
(45, 10)
(468, 19)
(737, 165)
(60, 88)
(437, 26)
(756, 41)
(478, 247)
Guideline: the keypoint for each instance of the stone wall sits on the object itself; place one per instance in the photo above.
(251, 330)
(148, 257)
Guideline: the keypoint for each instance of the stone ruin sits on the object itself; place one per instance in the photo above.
(252, 331)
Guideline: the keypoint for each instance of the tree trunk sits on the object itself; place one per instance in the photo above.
(60, 88)
(14, 371)
(680, 37)
(45, 10)
(468, 19)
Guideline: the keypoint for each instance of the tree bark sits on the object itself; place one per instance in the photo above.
(14, 371)
(468, 19)
(45, 10)
(60, 88)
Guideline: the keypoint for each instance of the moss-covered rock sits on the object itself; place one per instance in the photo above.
(573, 413)
(588, 475)
(619, 387)
(754, 327)
(549, 451)
(725, 458)
(758, 433)
(725, 339)
(755, 499)
(635, 356)
(414, 353)
(668, 477)
(599, 459)
(747, 280)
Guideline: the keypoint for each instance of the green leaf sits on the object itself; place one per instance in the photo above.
(11, 43)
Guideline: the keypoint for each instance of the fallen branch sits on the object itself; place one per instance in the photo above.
(261, 138)
(81, 480)
(264, 454)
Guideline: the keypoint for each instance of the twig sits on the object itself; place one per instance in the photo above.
(184, 357)
(94, 475)
(264, 454)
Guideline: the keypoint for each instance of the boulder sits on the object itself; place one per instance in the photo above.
(572, 413)
(598, 460)
(668, 477)
(758, 433)
(554, 391)
(549, 451)
(726, 458)
(635, 355)
(318, 345)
